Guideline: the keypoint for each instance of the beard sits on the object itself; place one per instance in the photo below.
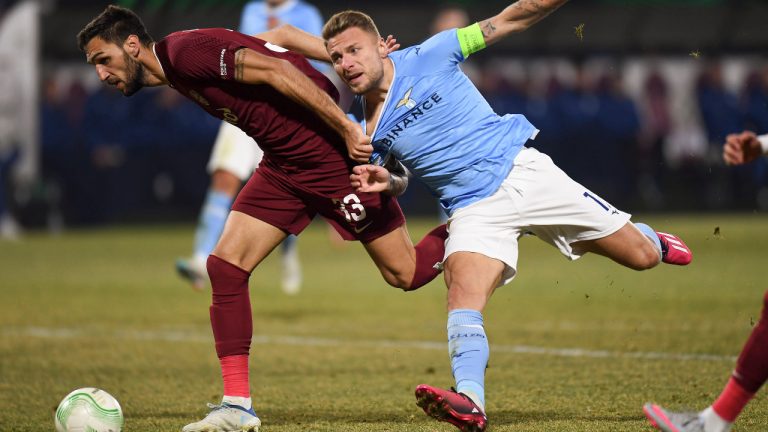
(134, 76)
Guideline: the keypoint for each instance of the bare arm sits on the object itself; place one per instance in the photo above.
(516, 18)
(252, 67)
(296, 39)
(307, 44)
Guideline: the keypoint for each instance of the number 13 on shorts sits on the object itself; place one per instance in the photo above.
(353, 209)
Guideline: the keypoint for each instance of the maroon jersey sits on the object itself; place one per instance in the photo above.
(296, 143)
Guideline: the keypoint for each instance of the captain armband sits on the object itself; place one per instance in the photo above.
(471, 39)
(398, 177)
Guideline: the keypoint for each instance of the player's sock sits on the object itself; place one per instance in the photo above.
(212, 218)
(713, 422)
(244, 402)
(468, 348)
(651, 234)
(289, 243)
(429, 252)
(234, 371)
(232, 323)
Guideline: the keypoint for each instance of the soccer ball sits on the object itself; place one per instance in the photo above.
(89, 410)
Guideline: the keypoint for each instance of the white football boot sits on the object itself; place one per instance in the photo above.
(226, 418)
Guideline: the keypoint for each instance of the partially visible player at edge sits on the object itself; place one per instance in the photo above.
(420, 108)
(288, 107)
(752, 366)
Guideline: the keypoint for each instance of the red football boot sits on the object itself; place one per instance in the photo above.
(449, 406)
(673, 250)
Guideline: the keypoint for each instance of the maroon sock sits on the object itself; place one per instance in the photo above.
(429, 252)
(231, 309)
(751, 371)
(752, 366)
(731, 401)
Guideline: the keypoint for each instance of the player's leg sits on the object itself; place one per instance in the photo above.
(627, 246)
(377, 221)
(750, 375)
(404, 265)
(574, 219)
(639, 247)
(471, 279)
(481, 255)
(245, 242)
(291, 280)
(262, 216)
(218, 200)
(233, 158)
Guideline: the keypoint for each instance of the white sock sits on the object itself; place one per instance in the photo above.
(238, 400)
(713, 422)
(475, 398)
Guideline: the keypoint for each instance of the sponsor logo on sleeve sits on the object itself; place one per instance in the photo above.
(222, 65)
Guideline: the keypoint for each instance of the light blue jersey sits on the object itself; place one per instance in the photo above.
(437, 123)
(256, 19)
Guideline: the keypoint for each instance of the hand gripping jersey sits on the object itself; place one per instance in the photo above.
(441, 128)
(200, 65)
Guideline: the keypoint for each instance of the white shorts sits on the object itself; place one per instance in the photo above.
(235, 152)
(536, 198)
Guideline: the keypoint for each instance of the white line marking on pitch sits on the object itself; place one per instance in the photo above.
(190, 336)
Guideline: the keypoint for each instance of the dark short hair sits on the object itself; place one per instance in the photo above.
(348, 19)
(114, 25)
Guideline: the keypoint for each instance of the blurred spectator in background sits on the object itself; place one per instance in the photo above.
(619, 128)
(722, 115)
(650, 166)
(576, 108)
(58, 155)
(9, 228)
(235, 155)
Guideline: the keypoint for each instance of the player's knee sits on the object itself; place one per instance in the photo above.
(226, 276)
(397, 280)
(645, 258)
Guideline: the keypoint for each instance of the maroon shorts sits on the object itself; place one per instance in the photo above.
(274, 199)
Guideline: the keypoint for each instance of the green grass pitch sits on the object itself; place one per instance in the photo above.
(575, 346)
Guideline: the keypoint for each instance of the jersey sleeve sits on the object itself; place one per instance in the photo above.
(441, 51)
(201, 56)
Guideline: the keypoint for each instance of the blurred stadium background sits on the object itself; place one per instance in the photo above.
(633, 97)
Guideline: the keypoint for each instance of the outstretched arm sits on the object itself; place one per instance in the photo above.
(744, 147)
(296, 39)
(252, 67)
(516, 18)
(307, 44)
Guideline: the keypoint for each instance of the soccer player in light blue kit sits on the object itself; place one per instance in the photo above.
(235, 155)
(419, 108)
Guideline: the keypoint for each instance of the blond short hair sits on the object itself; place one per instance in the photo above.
(348, 19)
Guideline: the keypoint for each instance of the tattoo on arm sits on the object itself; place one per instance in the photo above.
(239, 64)
(535, 8)
(488, 28)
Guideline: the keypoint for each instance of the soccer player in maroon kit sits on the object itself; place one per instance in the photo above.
(289, 108)
(752, 366)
